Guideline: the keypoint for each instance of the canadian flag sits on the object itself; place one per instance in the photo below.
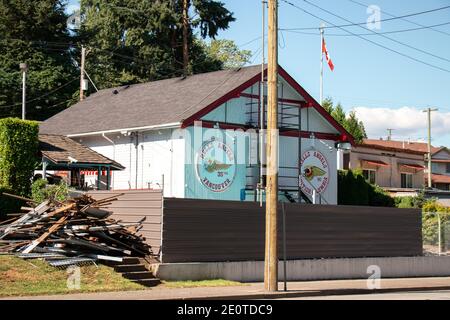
(327, 56)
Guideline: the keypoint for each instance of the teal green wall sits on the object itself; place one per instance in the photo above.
(194, 188)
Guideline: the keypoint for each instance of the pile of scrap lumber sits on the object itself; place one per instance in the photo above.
(74, 232)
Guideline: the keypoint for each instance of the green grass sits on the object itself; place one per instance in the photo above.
(20, 277)
(202, 283)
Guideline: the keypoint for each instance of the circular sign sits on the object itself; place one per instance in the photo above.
(315, 172)
(215, 165)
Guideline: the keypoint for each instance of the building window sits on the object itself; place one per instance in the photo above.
(406, 180)
(369, 175)
(448, 168)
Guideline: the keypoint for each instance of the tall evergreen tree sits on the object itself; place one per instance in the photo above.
(351, 123)
(35, 32)
(139, 40)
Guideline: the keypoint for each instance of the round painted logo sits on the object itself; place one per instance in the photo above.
(215, 165)
(315, 172)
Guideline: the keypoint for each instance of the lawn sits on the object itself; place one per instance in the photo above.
(20, 277)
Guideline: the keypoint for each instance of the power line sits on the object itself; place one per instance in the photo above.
(364, 23)
(407, 20)
(368, 40)
(381, 35)
(43, 96)
(368, 34)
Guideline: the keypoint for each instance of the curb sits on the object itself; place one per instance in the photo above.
(314, 293)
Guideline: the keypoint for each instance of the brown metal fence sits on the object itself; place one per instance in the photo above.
(207, 230)
(134, 205)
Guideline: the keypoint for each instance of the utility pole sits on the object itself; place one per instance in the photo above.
(262, 109)
(24, 69)
(390, 134)
(82, 66)
(321, 61)
(185, 37)
(271, 255)
(428, 111)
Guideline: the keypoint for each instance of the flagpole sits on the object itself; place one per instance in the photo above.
(321, 62)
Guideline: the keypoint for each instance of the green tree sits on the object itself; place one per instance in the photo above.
(227, 52)
(350, 122)
(35, 32)
(327, 104)
(355, 127)
(139, 40)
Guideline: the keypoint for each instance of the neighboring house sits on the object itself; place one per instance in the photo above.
(197, 137)
(399, 170)
(400, 166)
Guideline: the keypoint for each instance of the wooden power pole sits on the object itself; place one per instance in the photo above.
(271, 255)
(185, 37)
(82, 66)
(429, 110)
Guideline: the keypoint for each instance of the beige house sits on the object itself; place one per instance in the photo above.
(400, 166)
(396, 168)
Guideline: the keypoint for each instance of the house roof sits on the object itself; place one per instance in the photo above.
(399, 146)
(439, 178)
(176, 101)
(59, 149)
(147, 104)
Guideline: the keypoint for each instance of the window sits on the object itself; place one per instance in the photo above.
(406, 180)
(369, 175)
(448, 168)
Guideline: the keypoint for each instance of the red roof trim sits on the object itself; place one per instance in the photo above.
(412, 166)
(375, 162)
(345, 135)
(310, 102)
(230, 95)
(440, 160)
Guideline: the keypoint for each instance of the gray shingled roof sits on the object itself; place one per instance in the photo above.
(147, 104)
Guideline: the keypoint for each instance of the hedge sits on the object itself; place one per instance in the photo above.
(18, 154)
(354, 190)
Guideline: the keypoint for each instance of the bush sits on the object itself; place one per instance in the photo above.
(42, 191)
(18, 154)
(353, 189)
(7, 204)
(430, 223)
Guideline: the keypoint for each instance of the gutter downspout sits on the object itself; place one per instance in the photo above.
(114, 154)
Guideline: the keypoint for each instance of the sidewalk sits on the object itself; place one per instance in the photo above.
(256, 290)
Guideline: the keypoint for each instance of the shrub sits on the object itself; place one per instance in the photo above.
(41, 191)
(430, 223)
(353, 189)
(18, 154)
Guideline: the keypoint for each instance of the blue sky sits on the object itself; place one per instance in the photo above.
(385, 89)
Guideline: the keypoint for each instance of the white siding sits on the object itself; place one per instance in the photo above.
(157, 155)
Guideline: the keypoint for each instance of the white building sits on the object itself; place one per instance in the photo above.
(198, 137)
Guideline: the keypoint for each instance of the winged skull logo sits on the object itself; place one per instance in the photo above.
(311, 172)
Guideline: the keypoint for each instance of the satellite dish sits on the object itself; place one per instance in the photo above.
(74, 20)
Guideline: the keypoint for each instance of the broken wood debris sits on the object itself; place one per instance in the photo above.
(74, 232)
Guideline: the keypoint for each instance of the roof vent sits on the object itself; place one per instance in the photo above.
(115, 91)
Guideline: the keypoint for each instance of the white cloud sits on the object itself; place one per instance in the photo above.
(408, 122)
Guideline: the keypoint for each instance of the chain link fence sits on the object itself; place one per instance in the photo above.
(436, 233)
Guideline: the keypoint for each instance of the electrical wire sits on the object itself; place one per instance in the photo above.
(368, 34)
(43, 96)
(368, 40)
(364, 23)
(376, 33)
(407, 20)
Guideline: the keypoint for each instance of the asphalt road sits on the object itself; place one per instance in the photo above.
(411, 295)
